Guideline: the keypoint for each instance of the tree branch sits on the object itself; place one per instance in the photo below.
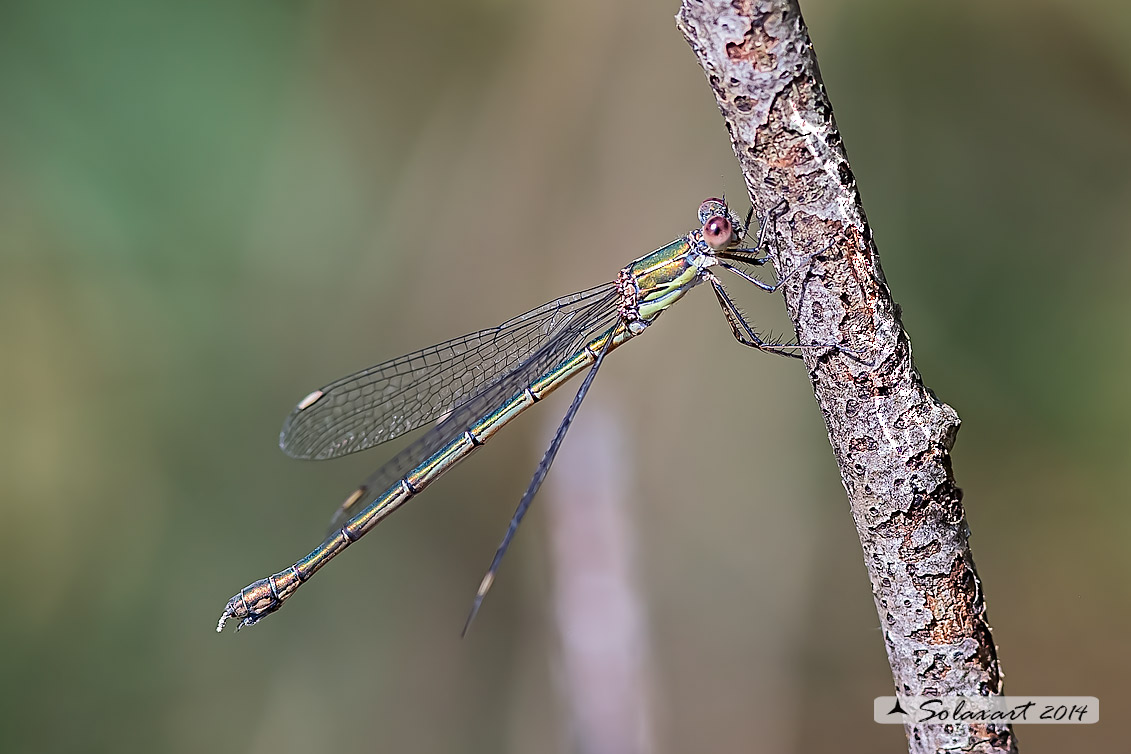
(891, 436)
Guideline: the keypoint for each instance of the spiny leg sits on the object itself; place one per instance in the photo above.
(750, 278)
(742, 330)
(536, 482)
(803, 265)
(746, 335)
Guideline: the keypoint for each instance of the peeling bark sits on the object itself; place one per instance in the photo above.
(890, 435)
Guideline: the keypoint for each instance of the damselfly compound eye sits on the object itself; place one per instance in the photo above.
(718, 232)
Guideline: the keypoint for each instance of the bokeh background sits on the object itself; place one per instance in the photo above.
(208, 209)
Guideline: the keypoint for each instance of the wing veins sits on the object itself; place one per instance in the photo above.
(597, 318)
(389, 399)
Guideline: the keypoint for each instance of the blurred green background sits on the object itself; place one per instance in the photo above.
(208, 209)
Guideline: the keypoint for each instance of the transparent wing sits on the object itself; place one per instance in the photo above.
(389, 399)
(597, 315)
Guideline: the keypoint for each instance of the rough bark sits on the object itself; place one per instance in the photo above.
(890, 435)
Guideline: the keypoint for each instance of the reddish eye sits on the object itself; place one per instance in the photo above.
(717, 232)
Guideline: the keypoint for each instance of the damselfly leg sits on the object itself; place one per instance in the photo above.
(723, 238)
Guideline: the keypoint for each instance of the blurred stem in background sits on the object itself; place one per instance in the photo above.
(598, 608)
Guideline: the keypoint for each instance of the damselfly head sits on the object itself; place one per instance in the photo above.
(721, 228)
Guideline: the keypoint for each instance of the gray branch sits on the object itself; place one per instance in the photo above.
(891, 436)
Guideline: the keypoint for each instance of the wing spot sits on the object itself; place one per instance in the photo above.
(354, 497)
(485, 585)
(310, 400)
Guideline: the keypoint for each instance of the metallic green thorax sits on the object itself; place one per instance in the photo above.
(663, 276)
(648, 286)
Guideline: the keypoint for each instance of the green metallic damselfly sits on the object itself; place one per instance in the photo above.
(474, 385)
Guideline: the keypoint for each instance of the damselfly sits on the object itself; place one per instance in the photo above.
(474, 385)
